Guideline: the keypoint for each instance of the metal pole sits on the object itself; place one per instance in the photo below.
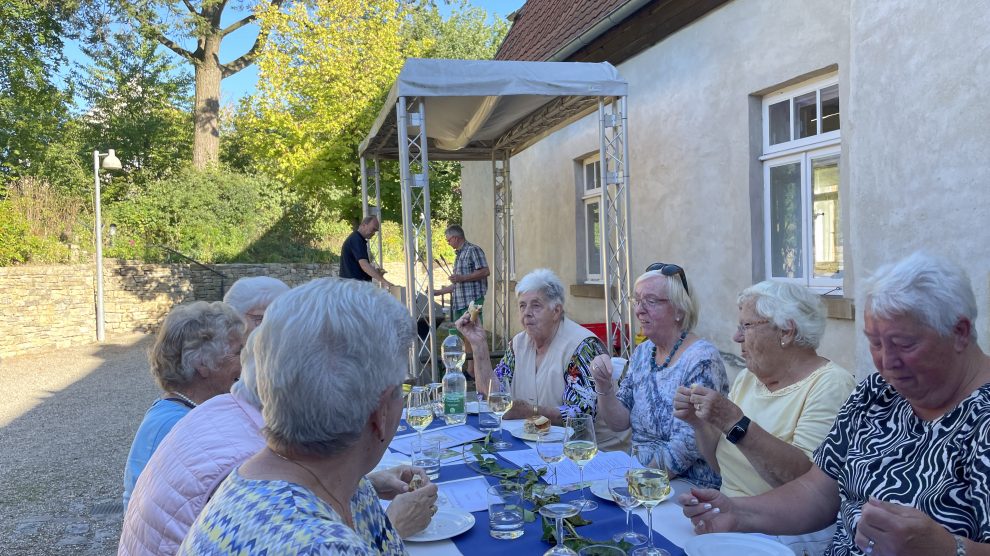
(100, 332)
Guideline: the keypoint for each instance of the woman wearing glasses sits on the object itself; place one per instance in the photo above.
(671, 357)
(780, 407)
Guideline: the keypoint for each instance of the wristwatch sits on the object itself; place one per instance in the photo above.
(738, 431)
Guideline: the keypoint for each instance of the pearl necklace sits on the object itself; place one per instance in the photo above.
(344, 510)
(673, 350)
(183, 398)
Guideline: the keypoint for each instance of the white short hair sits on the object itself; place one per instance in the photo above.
(545, 282)
(255, 291)
(930, 288)
(789, 305)
(194, 336)
(325, 354)
(246, 386)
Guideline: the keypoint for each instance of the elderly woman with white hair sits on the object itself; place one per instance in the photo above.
(331, 357)
(549, 363)
(196, 355)
(205, 446)
(906, 465)
(251, 296)
(672, 356)
(780, 407)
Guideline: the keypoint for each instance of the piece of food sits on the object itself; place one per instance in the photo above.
(415, 483)
(473, 311)
(536, 424)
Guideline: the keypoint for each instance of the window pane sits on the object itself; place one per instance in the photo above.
(786, 255)
(826, 230)
(830, 108)
(780, 122)
(805, 115)
(593, 237)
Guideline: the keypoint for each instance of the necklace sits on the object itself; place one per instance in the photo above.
(673, 350)
(344, 510)
(183, 399)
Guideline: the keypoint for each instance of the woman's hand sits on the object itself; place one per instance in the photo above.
(706, 405)
(389, 483)
(601, 372)
(887, 528)
(709, 510)
(411, 512)
(471, 330)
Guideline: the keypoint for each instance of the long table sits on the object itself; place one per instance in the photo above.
(671, 528)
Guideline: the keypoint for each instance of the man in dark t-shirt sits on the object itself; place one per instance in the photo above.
(355, 263)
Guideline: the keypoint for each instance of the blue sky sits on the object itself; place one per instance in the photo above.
(243, 82)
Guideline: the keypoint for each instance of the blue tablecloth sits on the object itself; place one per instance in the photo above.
(607, 519)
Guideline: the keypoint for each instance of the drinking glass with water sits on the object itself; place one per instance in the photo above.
(505, 511)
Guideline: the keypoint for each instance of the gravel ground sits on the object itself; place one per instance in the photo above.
(66, 426)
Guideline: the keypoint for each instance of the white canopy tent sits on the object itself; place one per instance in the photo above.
(492, 110)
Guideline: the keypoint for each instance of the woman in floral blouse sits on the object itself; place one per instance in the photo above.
(549, 363)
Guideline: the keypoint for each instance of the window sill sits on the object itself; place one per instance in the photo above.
(837, 307)
(592, 291)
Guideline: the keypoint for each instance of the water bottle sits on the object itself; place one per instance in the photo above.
(454, 382)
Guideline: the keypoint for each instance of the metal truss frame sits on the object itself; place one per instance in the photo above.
(502, 187)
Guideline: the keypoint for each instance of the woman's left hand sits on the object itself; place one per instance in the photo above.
(887, 529)
(411, 512)
(389, 483)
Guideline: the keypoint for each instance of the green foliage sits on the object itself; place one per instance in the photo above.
(139, 104)
(38, 224)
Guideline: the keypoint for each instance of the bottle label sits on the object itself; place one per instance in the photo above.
(453, 403)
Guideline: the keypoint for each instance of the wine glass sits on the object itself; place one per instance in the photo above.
(580, 447)
(419, 411)
(618, 488)
(558, 512)
(650, 485)
(499, 402)
(550, 446)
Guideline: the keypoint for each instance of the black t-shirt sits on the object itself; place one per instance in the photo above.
(354, 249)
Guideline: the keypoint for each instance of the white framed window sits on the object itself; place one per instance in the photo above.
(801, 162)
(591, 189)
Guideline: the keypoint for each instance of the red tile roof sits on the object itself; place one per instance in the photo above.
(542, 27)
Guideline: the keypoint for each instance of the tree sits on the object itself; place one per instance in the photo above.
(323, 76)
(169, 22)
(33, 110)
(137, 103)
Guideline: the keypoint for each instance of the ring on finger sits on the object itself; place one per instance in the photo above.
(697, 407)
(869, 546)
(433, 509)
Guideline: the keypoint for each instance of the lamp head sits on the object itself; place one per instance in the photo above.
(111, 162)
(113, 230)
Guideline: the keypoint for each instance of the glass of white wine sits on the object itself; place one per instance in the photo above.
(419, 411)
(499, 402)
(580, 447)
(650, 485)
(550, 446)
(618, 488)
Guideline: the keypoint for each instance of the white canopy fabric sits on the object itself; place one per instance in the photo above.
(474, 107)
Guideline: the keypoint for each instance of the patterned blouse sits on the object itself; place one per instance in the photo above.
(278, 517)
(579, 386)
(878, 447)
(648, 393)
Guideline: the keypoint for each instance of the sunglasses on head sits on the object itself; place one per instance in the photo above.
(668, 269)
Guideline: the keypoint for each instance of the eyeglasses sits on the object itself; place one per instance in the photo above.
(649, 302)
(746, 326)
(255, 319)
(668, 269)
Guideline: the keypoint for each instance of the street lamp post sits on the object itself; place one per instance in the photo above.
(110, 162)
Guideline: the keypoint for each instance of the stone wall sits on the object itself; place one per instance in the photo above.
(50, 307)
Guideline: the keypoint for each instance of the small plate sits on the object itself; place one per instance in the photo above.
(471, 408)
(519, 433)
(447, 523)
(392, 460)
(718, 544)
(600, 489)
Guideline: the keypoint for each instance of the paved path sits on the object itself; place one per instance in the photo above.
(66, 424)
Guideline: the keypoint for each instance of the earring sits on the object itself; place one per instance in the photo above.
(782, 344)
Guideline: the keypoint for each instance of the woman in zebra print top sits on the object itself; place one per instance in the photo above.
(906, 466)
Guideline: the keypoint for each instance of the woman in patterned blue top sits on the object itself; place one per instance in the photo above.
(906, 466)
(331, 356)
(671, 356)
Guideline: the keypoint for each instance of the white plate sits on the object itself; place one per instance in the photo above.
(719, 544)
(391, 460)
(447, 523)
(471, 407)
(600, 489)
(519, 433)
